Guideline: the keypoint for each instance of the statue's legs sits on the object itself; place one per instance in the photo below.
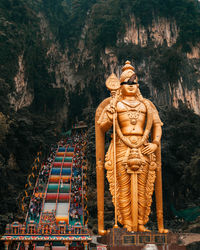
(142, 202)
(124, 190)
(124, 201)
(123, 184)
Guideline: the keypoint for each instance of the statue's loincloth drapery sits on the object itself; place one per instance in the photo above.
(145, 183)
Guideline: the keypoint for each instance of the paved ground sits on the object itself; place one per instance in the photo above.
(189, 238)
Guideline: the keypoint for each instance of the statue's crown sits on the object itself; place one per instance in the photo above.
(128, 66)
(127, 71)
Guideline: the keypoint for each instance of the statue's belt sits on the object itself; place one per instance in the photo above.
(132, 138)
(122, 148)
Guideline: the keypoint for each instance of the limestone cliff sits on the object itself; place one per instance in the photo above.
(162, 33)
(161, 30)
(21, 96)
(75, 66)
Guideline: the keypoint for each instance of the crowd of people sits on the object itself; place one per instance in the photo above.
(37, 199)
(76, 208)
(43, 178)
(35, 208)
(45, 170)
(77, 141)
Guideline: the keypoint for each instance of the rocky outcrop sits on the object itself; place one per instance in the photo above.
(12, 164)
(168, 94)
(59, 61)
(21, 96)
(162, 30)
(195, 53)
(190, 97)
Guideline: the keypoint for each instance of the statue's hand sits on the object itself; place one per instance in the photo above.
(149, 148)
(111, 108)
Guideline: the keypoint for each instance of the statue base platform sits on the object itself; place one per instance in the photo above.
(119, 239)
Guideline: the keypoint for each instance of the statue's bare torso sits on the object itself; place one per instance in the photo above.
(131, 117)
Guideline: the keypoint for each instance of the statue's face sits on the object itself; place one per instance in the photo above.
(129, 90)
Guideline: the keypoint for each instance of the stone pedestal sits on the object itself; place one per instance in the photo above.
(119, 239)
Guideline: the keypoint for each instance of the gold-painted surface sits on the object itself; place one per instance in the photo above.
(100, 155)
(134, 201)
(113, 83)
(115, 171)
(133, 161)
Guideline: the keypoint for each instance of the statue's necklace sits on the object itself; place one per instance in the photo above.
(131, 104)
(132, 112)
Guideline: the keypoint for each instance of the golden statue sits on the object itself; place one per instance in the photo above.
(133, 163)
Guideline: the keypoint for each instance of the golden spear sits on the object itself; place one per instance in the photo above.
(113, 84)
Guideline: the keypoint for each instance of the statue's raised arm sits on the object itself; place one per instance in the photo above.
(133, 160)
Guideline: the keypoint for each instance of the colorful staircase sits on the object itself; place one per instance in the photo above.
(54, 223)
(57, 196)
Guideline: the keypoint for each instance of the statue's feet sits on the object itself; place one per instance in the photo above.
(142, 228)
(102, 232)
(163, 230)
(129, 228)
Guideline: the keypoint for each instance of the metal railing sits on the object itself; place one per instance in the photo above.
(34, 229)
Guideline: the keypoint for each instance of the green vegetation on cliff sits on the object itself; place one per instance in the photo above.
(26, 131)
(110, 17)
(180, 156)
